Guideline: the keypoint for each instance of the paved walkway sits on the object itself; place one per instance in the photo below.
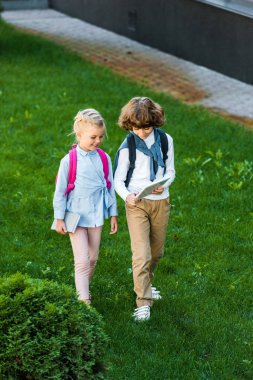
(160, 71)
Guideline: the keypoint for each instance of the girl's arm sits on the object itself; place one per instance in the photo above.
(121, 174)
(112, 211)
(114, 225)
(60, 227)
(60, 200)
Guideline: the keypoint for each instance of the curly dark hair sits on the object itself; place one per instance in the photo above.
(141, 112)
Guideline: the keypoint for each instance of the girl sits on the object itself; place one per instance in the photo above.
(144, 156)
(90, 198)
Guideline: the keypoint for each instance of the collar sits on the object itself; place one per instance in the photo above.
(85, 152)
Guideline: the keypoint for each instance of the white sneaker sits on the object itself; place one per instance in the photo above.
(156, 294)
(142, 313)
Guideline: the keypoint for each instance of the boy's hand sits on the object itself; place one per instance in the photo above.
(159, 190)
(114, 225)
(131, 199)
(60, 227)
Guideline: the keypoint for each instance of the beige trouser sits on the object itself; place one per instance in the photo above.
(147, 224)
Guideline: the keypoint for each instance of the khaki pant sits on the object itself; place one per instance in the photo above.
(147, 224)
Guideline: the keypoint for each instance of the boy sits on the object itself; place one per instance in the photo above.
(146, 155)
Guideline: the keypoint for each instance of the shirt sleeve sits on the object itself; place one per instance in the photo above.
(121, 173)
(112, 211)
(60, 199)
(170, 169)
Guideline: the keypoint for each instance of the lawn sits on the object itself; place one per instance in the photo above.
(203, 327)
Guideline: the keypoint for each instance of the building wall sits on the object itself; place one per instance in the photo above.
(193, 30)
(12, 5)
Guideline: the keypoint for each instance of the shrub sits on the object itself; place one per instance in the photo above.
(46, 333)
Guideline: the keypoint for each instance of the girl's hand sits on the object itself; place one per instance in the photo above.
(60, 227)
(131, 199)
(114, 225)
(159, 190)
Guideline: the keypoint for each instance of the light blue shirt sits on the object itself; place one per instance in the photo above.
(90, 198)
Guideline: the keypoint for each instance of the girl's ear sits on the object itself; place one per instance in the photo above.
(78, 135)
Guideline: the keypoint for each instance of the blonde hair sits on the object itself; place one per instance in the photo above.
(85, 117)
(141, 112)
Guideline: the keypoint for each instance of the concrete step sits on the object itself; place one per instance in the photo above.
(10, 5)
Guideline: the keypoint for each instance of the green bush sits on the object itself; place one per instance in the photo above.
(46, 333)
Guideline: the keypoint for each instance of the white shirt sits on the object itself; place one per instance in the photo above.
(141, 173)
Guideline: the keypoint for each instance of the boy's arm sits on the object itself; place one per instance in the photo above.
(170, 169)
(121, 174)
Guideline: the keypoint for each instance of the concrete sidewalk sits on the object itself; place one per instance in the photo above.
(160, 71)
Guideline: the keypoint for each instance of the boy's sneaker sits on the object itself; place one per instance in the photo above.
(156, 294)
(142, 313)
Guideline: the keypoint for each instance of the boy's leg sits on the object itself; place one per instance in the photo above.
(79, 242)
(139, 230)
(158, 229)
(94, 237)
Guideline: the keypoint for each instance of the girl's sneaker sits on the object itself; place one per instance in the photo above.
(156, 294)
(142, 313)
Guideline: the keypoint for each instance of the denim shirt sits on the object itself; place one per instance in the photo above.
(90, 198)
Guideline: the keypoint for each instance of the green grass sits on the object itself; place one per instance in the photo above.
(203, 327)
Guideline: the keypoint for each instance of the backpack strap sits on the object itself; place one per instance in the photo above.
(105, 164)
(132, 157)
(164, 145)
(72, 170)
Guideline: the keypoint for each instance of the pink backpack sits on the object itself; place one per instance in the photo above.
(73, 164)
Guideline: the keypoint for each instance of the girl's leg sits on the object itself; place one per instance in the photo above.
(79, 242)
(94, 237)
